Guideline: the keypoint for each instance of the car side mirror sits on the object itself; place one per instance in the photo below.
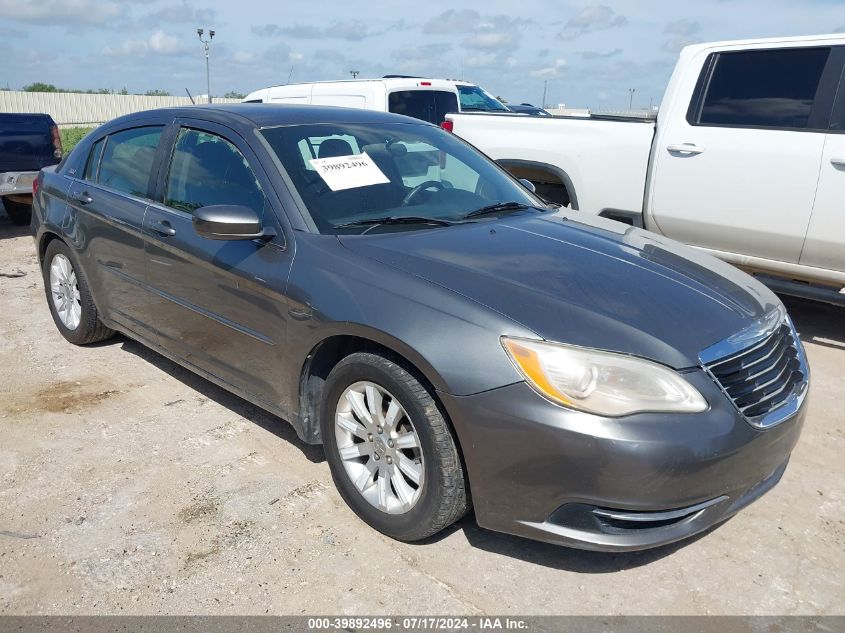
(528, 185)
(227, 222)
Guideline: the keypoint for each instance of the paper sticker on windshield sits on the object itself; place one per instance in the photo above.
(348, 172)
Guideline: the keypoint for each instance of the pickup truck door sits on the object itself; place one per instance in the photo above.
(824, 246)
(737, 171)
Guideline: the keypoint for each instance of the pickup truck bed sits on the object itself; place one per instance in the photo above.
(606, 157)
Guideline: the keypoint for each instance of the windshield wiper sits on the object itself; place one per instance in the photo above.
(405, 219)
(501, 207)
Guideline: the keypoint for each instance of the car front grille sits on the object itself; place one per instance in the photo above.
(765, 376)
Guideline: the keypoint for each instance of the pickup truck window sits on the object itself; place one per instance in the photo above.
(426, 105)
(128, 160)
(767, 88)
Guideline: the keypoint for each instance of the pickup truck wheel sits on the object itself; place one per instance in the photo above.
(392, 454)
(69, 297)
(19, 213)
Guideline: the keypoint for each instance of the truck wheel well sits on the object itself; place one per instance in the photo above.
(552, 183)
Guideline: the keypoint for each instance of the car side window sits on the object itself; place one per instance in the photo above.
(127, 160)
(93, 162)
(767, 88)
(206, 170)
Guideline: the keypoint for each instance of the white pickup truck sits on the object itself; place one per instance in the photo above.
(746, 159)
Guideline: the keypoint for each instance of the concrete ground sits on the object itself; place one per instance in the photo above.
(130, 486)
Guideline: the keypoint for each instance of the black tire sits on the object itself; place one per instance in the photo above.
(90, 328)
(443, 497)
(19, 213)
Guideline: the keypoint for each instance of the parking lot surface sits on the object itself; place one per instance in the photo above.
(130, 486)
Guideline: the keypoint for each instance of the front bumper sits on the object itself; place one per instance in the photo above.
(544, 472)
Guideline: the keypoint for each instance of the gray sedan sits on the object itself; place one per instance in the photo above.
(437, 327)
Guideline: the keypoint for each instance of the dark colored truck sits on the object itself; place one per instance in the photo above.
(28, 142)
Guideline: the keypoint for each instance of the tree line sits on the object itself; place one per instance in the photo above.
(40, 86)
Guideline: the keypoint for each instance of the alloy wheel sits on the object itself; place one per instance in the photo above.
(380, 448)
(64, 291)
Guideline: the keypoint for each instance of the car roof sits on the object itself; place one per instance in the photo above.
(271, 114)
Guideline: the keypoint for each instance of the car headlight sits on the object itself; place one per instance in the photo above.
(602, 383)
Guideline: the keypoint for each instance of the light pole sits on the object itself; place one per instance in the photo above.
(631, 92)
(205, 44)
(354, 73)
(545, 85)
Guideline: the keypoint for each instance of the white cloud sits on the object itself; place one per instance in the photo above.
(550, 72)
(490, 40)
(594, 17)
(62, 12)
(481, 60)
(159, 43)
(681, 32)
(164, 44)
(452, 21)
(243, 57)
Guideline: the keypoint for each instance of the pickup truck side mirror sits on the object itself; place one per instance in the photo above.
(228, 222)
(528, 185)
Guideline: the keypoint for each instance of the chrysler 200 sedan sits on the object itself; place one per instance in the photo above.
(449, 338)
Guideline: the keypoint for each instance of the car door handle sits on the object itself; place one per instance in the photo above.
(837, 162)
(82, 197)
(163, 228)
(685, 148)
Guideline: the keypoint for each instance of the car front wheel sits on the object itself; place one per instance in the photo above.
(392, 454)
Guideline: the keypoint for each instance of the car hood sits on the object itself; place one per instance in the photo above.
(584, 280)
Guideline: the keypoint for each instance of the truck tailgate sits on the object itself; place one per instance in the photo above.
(25, 142)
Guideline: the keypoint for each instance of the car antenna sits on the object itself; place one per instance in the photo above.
(190, 97)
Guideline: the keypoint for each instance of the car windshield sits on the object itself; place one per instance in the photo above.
(381, 177)
(474, 99)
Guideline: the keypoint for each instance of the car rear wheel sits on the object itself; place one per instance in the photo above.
(69, 297)
(19, 213)
(392, 454)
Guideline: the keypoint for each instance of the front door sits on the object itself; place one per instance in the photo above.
(738, 171)
(218, 304)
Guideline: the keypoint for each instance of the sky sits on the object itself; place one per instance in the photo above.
(589, 53)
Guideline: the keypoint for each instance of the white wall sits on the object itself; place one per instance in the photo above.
(70, 109)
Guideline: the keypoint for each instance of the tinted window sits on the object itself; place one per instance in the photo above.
(94, 160)
(475, 99)
(427, 105)
(206, 169)
(128, 160)
(764, 88)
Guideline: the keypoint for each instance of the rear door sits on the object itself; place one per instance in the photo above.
(219, 304)
(108, 203)
(738, 171)
(824, 246)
